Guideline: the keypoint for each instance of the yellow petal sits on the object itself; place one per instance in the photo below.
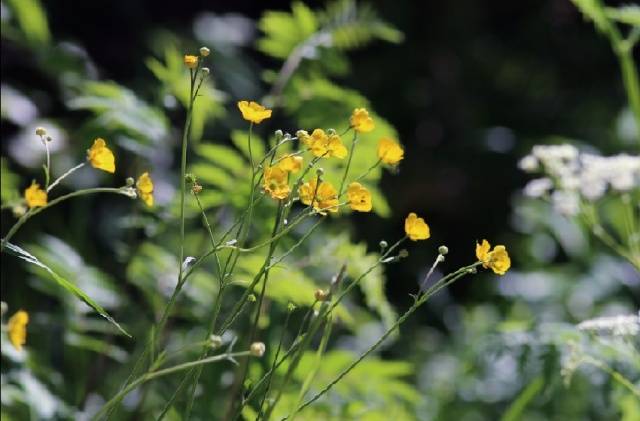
(191, 61)
(254, 112)
(360, 121)
(101, 157)
(415, 228)
(35, 196)
(17, 328)
(144, 186)
(389, 151)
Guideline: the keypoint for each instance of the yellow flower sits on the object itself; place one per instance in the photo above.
(35, 196)
(389, 151)
(276, 182)
(360, 121)
(323, 145)
(17, 327)
(101, 157)
(290, 163)
(359, 197)
(191, 61)
(144, 185)
(497, 259)
(326, 196)
(416, 228)
(254, 112)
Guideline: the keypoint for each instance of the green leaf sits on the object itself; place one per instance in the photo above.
(517, 408)
(9, 183)
(117, 108)
(70, 287)
(240, 139)
(32, 21)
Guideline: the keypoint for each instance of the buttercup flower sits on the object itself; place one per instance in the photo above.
(101, 157)
(276, 182)
(359, 197)
(254, 112)
(360, 121)
(323, 145)
(416, 228)
(35, 196)
(291, 163)
(144, 186)
(191, 61)
(389, 151)
(326, 196)
(497, 259)
(17, 328)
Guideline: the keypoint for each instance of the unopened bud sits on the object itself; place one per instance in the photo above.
(257, 349)
(251, 298)
(320, 172)
(48, 138)
(291, 307)
(443, 250)
(129, 181)
(196, 189)
(3, 307)
(204, 52)
(440, 258)
(18, 210)
(279, 134)
(205, 70)
(383, 244)
(190, 178)
(321, 295)
(215, 341)
(331, 132)
(41, 131)
(472, 270)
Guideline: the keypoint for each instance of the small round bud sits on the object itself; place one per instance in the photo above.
(440, 258)
(206, 70)
(3, 307)
(443, 250)
(48, 138)
(331, 132)
(41, 131)
(320, 172)
(190, 178)
(291, 307)
(215, 341)
(129, 181)
(196, 188)
(257, 349)
(287, 136)
(321, 295)
(403, 253)
(251, 298)
(204, 51)
(472, 270)
(18, 210)
(279, 134)
(383, 244)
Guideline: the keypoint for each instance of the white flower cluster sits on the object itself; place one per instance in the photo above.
(571, 175)
(616, 325)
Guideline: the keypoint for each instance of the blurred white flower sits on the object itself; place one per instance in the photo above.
(616, 325)
(566, 202)
(529, 164)
(538, 187)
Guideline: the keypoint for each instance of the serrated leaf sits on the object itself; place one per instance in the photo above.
(70, 287)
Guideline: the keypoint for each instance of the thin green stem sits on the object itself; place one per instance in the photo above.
(346, 170)
(447, 280)
(34, 211)
(155, 374)
(65, 175)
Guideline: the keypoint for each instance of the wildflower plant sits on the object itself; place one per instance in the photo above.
(295, 184)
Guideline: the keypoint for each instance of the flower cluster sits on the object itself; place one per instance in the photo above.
(624, 325)
(571, 175)
(100, 157)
